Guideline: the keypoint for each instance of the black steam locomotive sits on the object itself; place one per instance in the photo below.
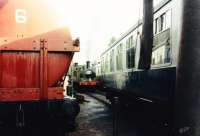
(84, 78)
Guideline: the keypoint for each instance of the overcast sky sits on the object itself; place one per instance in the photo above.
(96, 21)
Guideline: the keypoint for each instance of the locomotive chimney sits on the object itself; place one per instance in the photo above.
(75, 64)
(87, 64)
(187, 98)
(147, 36)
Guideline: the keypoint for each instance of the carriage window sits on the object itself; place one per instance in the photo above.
(107, 63)
(102, 65)
(160, 23)
(161, 42)
(163, 22)
(131, 41)
(154, 26)
(127, 43)
(112, 60)
(119, 57)
(130, 53)
(161, 55)
(130, 57)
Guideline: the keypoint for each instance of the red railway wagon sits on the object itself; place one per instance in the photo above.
(35, 54)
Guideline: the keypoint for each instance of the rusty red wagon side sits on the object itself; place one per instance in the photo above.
(31, 68)
(35, 54)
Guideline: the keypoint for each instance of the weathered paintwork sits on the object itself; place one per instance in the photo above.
(157, 84)
(35, 53)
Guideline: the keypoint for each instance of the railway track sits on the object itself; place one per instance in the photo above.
(100, 96)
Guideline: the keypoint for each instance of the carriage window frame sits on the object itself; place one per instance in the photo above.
(167, 25)
(160, 23)
(107, 63)
(130, 52)
(119, 55)
(102, 66)
(112, 60)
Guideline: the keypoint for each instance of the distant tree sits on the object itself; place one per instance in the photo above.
(112, 40)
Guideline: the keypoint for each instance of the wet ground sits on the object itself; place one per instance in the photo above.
(139, 119)
(95, 119)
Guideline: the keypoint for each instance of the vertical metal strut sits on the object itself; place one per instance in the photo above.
(147, 35)
(187, 98)
(43, 70)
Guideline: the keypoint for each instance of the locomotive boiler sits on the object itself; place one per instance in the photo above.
(35, 54)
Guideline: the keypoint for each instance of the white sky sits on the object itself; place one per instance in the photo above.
(96, 21)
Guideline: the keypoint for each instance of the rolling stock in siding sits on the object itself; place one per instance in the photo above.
(120, 74)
